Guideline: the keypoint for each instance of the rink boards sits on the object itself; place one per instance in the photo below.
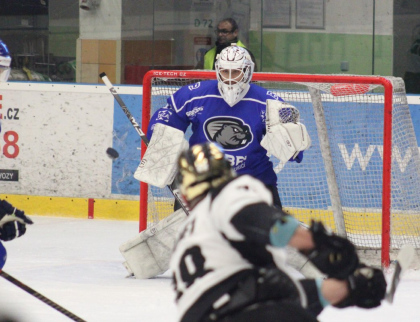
(64, 129)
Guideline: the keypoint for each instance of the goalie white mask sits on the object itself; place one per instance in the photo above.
(5, 61)
(234, 69)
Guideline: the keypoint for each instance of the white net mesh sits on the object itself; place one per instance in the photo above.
(354, 132)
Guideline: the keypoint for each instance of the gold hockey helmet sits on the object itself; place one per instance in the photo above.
(202, 168)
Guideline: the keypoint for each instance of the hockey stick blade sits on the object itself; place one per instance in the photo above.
(133, 121)
(40, 297)
(403, 261)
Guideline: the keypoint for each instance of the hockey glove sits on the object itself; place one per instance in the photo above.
(12, 221)
(333, 255)
(367, 287)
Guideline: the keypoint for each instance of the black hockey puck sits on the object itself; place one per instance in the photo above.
(112, 153)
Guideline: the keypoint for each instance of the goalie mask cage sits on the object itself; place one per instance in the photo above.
(361, 176)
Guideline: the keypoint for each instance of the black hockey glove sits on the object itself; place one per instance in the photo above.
(333, 255)
(367, 287)
(12, 221)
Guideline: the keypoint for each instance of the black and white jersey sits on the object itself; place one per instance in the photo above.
(213, 244)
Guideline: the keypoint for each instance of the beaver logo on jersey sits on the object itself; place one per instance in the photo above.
(230, 133)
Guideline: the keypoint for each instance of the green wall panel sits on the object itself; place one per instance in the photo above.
(62, 41)
(322, 53)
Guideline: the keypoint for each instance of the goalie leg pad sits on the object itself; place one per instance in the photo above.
(158, 166)
(147, 254)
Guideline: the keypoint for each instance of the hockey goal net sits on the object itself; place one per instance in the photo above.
(361, 176)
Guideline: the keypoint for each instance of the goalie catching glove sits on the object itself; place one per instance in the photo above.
(333, 255)
(158, 166)
(12, 221)
(285, 135)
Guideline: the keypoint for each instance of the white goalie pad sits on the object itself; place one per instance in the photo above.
(285, 136)
(280, 112)
(147, 254)
(158, 166)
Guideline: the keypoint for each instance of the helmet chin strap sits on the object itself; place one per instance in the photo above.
(232, 94)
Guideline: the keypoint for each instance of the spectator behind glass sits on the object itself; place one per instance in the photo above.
(227, 34)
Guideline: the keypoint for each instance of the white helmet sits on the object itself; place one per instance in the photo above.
(234, 69)
(5, 61)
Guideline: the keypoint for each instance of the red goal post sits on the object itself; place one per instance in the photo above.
(362, 174)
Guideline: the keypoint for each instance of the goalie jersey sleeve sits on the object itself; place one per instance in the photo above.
(238, 129)
(214, 244)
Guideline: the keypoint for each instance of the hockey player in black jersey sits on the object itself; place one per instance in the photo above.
(222, 265)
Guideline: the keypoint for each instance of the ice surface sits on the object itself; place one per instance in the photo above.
(76, 263)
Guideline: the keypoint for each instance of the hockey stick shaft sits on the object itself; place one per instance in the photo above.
(126, 111)
(40, 297)
(133, 121)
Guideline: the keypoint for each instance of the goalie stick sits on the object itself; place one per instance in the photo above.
(40, 297)
(136, 126)
(403, 261)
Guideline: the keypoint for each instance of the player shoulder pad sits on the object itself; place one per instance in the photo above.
(239, 193)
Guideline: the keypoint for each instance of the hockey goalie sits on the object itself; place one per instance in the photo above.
(247, 121)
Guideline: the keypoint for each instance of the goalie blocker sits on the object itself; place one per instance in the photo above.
(158, 166)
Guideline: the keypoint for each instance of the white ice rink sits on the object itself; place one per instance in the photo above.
(76, 263)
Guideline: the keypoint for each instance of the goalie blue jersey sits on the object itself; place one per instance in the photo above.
(238, 129)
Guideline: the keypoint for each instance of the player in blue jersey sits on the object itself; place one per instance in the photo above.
(246, 120)
(5, 61)
(12, 221)
(231, 112)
